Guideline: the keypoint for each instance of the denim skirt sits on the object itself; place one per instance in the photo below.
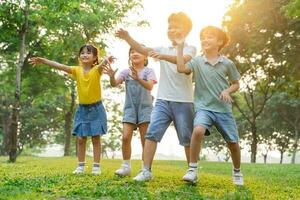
(90, 120)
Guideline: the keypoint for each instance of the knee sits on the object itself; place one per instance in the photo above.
(126, 138)
(233, 146)
(81, 140)
(199, 131)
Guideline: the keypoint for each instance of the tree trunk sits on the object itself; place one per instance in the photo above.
(253, 144)
(68, 122)
(265, 158)
(13, 126)
(281, 156)
(295, 146)
(5, 143)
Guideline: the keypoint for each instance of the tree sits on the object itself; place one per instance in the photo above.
(285, 112)
(42, 28)
(264, 48)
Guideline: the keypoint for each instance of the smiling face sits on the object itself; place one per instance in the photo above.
(210, 41)
(174, 29)
(136, 58)
(87, 57)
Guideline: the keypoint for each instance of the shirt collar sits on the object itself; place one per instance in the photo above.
(220, 59)
(172, 47)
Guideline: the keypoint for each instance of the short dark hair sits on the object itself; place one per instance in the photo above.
(182, 18)
(217, 32)
(90, 48)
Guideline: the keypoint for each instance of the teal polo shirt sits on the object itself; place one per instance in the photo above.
(210, 81)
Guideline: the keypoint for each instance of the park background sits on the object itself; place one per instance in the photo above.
(37, 104)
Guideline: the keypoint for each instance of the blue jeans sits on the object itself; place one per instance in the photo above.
(224, 122)
(163, 113)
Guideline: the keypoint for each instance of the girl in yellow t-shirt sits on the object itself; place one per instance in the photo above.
(90, 117)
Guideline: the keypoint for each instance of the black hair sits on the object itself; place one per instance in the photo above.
(90, 48)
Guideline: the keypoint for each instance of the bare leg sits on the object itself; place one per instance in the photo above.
(187, 154)
(126, 140)
(96, 140)
(143, 130)
(149, 151)
(235, 154)
(81, 142)
(197, 137)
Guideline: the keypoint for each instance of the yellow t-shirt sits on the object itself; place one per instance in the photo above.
(88, 85)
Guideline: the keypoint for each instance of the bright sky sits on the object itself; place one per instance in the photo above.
(156, 12)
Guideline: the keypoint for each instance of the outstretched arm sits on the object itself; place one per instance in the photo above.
(53, 64)
(124, 35)
(168, 58)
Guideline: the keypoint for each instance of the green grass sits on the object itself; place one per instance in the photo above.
(51, 178)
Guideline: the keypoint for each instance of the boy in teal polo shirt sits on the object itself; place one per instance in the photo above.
(216, 77)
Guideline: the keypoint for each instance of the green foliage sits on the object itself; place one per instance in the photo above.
(51, 178)
(265, 47)
(56, 30)
(293, 9)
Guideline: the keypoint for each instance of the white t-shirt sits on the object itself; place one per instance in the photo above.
(174, 86)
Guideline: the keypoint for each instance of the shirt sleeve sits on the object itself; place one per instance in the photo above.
(192, 64)
(233, 73)
(151, 75)
(157, 49)
(74, 70)
(189, 50)
(123, 74)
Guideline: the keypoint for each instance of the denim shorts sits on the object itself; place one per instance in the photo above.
(224, 122)
(163, 113)
(90, 120)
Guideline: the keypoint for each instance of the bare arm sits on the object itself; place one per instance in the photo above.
(181, 67)
(123, 34)
(168, 58)
(53, 64)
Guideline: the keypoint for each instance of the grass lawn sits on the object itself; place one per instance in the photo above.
(51, 178)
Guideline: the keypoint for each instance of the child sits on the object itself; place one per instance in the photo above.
(175, 96)
(212, 97)
(139, 81)
(90, 117)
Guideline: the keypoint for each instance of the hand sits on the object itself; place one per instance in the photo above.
(107, 61)
(36, 61)
(179, 38)
(122, 34)
(225, 96)
(155, 55)
(109, 71)
(134, 74)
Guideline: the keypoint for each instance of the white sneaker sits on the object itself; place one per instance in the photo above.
(144, 175)
(96, 171)
(78, 170)
(190, 176)
(237, 178)
(123, 171)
